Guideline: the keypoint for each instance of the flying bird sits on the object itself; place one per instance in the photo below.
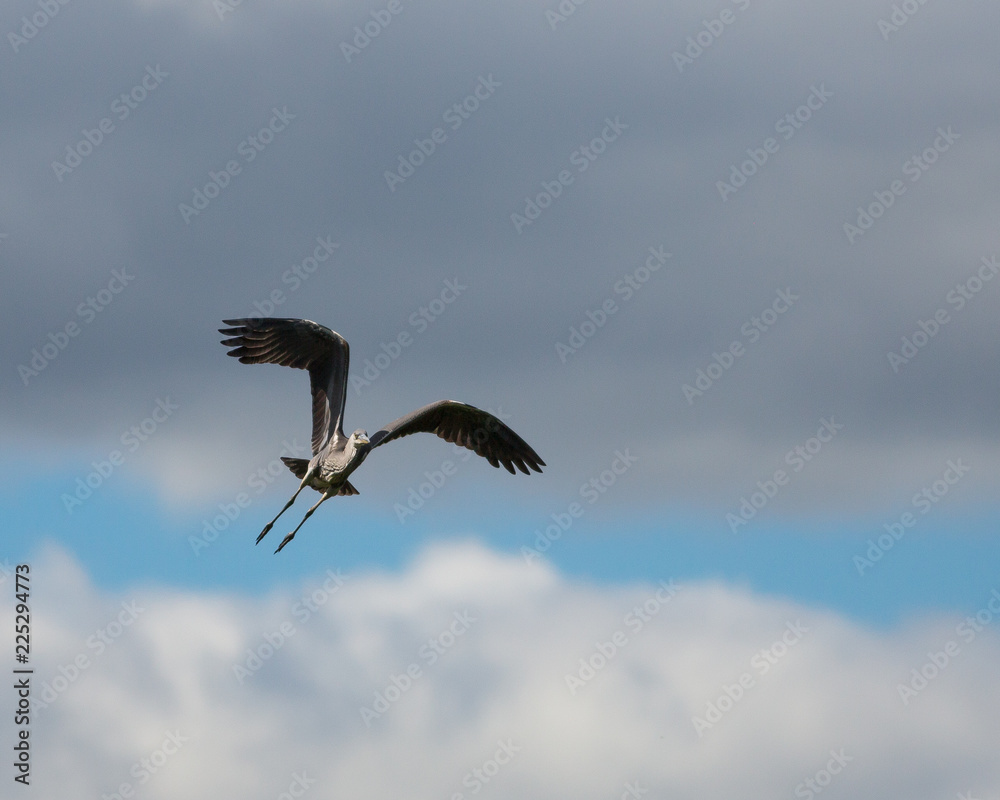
(304, 344)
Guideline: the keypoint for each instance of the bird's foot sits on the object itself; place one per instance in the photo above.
(285, 541)
(263, 533)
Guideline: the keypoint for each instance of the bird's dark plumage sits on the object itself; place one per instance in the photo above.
(304, 344)
(469, 427)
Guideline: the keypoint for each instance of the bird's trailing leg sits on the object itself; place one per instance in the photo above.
(270, 525)
(326, 496)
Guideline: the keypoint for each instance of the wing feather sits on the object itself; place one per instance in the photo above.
(469, 427)
(301, 344)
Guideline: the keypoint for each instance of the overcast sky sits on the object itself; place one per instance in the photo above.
(746, 248)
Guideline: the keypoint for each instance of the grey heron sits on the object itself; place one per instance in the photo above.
(304, 344)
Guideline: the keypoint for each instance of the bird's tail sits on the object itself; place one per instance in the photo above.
(298, 466)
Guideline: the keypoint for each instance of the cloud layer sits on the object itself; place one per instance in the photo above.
(612, 131)
(471, 673)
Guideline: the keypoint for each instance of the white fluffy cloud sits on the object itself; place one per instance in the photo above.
(477, 660)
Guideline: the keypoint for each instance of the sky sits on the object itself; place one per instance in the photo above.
(728, 267)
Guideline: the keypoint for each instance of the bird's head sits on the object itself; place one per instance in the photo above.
(359, 439)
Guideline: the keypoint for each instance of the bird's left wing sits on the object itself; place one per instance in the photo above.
(303, 344)
(468, 427)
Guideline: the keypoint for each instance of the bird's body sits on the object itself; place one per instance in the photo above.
(325, 354)
(332, 469)
(332, 465)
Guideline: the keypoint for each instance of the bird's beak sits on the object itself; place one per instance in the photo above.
(363, 440)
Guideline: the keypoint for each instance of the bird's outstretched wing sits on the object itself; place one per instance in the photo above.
(469, 427)
(303, 344)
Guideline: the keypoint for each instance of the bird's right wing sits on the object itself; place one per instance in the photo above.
(303, 344)
(469, 427)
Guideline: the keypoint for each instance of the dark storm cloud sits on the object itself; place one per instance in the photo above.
(534, 160)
